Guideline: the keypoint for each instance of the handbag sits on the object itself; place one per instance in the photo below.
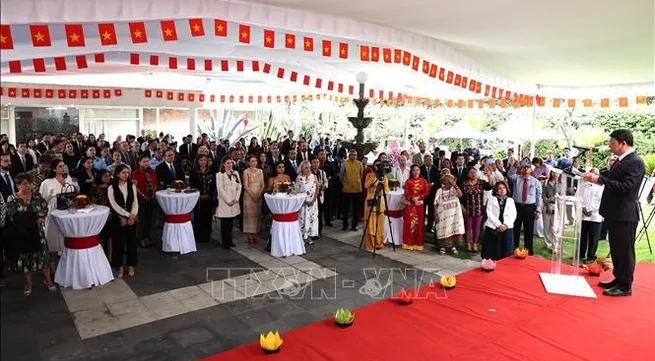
(65, 198)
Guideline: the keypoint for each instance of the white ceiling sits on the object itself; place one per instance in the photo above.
(557, 42)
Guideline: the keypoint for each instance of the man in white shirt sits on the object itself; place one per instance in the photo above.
(591, 194)
(401, 171)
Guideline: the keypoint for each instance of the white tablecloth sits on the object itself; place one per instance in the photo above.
(394, 203)
(82, 268)
(178, 237)
(286, 238)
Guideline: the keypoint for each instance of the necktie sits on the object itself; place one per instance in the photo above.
(615, 165)
(188, 147)
(22, 160)
(428, 172)
(172, 170)
(524, 195)
(8, 181)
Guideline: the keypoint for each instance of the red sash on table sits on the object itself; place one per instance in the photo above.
(81, 242)
(178, 218)
(394, 214)
(287, 217)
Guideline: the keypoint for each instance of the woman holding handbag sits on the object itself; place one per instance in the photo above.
(55, 184)
(501, 214)
(203, 180)
(229, 187)
(122, 196)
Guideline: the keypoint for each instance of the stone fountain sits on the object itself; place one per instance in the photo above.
(360, 122)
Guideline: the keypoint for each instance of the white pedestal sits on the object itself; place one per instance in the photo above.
(566, 285)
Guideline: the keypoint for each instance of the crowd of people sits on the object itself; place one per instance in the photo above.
(470, 202)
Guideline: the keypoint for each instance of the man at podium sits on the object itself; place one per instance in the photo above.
(620, 208)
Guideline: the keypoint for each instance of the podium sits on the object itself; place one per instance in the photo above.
(558, 281)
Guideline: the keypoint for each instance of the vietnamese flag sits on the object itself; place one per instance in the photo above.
(458, 79)
(289, 41)
(74, 35)
(25, 93)
(40, 35)
(449, 77)
(343, 50)
(255, 65)
(107, 33)
(375, 53)
(472, 85)
(138, 32)
(220, 27)
(49, 93)
(168, 31)
(426, 67)
(407, 57)
(364, 53)
(134, 59)
(308, 43)
(72, 94)
(415, 61)
(15, 66)
(433, 70)
(327, 48)
(191, 64)
(397, 56)
(39, 65)
(37, 93)
(269, 38)
(604, 103)
(209, 65)
(61, 93)
(196, 27)
(442, 74)
(478, 87)
(465, 81)
(386, 55)
(244, 34)
(6, 40)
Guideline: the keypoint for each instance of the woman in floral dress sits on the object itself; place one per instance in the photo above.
(473, 203)
(308, 215)
(28, 250)
(416, 190)
(448, 215)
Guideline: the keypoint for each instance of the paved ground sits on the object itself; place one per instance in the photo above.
(187, 307)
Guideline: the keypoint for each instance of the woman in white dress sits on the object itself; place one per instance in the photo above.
(228, 186)
(56, 182)
(308, 215)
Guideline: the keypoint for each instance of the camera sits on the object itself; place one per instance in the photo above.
(381, 169)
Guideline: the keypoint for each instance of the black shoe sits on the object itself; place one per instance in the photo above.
(607, 285)
(617, 292)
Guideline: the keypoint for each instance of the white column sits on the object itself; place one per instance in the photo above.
(11, 124)
(193, 121)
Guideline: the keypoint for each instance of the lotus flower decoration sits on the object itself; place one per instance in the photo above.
(605, 263)
(594, 269)
(405, 297)
(344, 317)
(448, 282)
(270, 343)
(520, 253)
(81, 201)
(488, 265)
(178, 185)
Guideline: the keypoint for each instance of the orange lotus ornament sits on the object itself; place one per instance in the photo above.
(520, 253)
(594, 269)
(448, 282)
(405, 297)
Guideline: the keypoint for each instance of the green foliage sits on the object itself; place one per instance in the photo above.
(649, 160)
(229, 126)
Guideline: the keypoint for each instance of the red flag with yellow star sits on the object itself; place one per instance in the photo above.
(364, 53)
(220, 27)
(6, 40)
(138, 32)
(168, 30)
(386, 55)
(327, 48)
(343, 50)
(289, 41)
(74, 35)
(196, 27)
(308, 43)
(375, 53)
(40, 35)
(107, 34)
(269, 38)
(244, 34)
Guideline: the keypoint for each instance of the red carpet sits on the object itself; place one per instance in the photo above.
(503, 315)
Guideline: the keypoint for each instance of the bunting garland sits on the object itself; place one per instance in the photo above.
(140, 32)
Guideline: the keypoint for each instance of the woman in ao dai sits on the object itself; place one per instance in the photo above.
(308, 215)
(57, 182)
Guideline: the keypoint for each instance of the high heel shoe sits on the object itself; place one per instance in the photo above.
(27, 291)
(131, 271)
(51, 288)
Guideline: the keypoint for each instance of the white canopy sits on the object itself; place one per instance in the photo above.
(443, 51)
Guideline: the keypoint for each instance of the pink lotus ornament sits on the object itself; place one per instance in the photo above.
(488, 265)
(245, 122)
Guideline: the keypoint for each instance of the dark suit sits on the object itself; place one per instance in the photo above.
(341, 152)
(286, 145)
(290, 170)
(433, 180)
(460, 175)
(184, 150)
(79, 148)
(17, 166)
(166, 177)
(620, 208)
(41, 148)
(6, 188)
(300, 156)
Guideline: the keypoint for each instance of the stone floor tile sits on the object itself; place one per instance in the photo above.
(78, 300)
(115, 291)
(163, 305)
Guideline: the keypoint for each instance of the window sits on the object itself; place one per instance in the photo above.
(113, 122)
(4, 120)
